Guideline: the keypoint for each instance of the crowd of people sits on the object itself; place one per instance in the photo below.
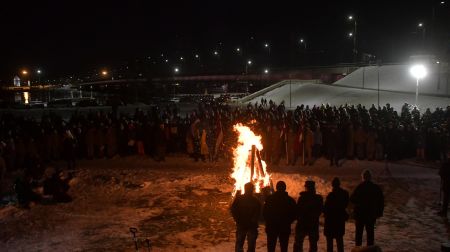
(280, 211)
(302, 134)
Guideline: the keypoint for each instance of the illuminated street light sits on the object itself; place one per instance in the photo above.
(238, 49)
(181, 58)
(266, 71)
(266, 45)
(420, 25)
(176, 70)
(353, 35)
(39, 75)
(24, 72)
(418, 72)
(166, 60)
(302, 41)
(216, 53)
(249, 62)
(104, 72)
(196, 56)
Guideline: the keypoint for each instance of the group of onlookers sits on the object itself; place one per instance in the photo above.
(280, 211)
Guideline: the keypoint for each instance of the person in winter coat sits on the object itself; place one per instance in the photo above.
(309, 142)
(246, 210)
(444, 172)
(333, 138)
(69, 149)
(279, 213)
(204, 149)
(335, 216)
(368, 201)
(309, 209)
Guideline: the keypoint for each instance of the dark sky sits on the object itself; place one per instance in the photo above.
(67, 37)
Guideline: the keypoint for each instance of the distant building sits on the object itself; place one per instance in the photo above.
(16, 81)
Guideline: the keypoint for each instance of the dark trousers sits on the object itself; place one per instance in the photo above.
(300, 235)
(369, 224)
(272, 237)
(445, 196)
(339, 243)
(251, 234)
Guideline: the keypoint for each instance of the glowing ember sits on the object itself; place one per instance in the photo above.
(242, 170)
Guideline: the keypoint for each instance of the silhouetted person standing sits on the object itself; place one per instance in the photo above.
(279, 213)
(444, 172)
(335, 216)
(246, 210)
(368, 201)
(309, 208)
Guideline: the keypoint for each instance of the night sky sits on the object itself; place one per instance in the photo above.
(71, 37)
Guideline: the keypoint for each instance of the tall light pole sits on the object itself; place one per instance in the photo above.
(354, 34)
(247, 65)
(39, 75)
(303, 42)
(418, 72)
(424, 31)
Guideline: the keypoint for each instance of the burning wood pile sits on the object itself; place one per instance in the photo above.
(248, 165)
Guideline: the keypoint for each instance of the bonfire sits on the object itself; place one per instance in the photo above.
(248, 164)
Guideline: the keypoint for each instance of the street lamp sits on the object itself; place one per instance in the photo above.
(176, 69)
(422, 26)
(302, 41)
(266, 71)
(353, 34)
(418, 72)
(104, 72)
(39, 75)
(216, 53)
(238, 49)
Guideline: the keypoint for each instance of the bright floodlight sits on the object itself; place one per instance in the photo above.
(24, 72)
(266, 71)
(196, 55)
(216, 53)
(104, 73)
(181, 58)
(38, 71)
(266, 45)
(350, 34)
(238, 49)
(166, 60)
(249, 62)
(420, 24)
(350, 17)
(176, 70)
(301, 40)
(418, 71)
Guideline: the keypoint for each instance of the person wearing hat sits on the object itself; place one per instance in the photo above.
(279, 213)
(246, 210)
(335, 216)
(368, 201)
(309, 209)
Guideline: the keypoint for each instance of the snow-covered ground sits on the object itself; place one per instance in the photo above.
(398, 78)
(181, 205)
(295, 93)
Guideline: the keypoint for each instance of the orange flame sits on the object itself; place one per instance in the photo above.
(242, 161)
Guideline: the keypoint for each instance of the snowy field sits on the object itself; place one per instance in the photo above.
(181, 205)
(316, 94)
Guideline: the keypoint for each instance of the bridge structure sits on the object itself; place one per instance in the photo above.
(324, 74)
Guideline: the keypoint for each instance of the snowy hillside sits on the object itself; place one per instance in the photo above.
(317, 94)
(398, 78)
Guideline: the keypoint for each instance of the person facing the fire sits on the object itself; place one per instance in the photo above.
(279, 213)
(368, 201)
(246, 210)
(335, 216)
(309, 209)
